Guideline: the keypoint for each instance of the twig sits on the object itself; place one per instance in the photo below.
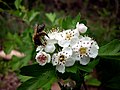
(84, 85)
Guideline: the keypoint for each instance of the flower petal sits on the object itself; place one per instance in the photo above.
(84, 60)
(74, 41)
(54, 59)
(76, 56)
(39, 48)
(52, 41)
(41, 62)
(49, 58)
(70, 62)
(67, 51)
(64, 43)
(60, 68)
(50, 48)
(93, 52)
(81, 27)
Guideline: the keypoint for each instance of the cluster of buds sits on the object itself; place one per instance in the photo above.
(64, 48)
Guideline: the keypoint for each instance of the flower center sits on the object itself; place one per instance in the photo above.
(68, 36)
(42, 58)
(62, 58)
(83, 50)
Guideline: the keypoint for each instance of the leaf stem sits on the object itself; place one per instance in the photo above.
(84, 85)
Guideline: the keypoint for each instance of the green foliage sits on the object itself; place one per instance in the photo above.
(114, 83)
(44, 77)
(111, 50)
(86, 68)
(51, 17)
(44, 81)
(69, 22)
(90, 80)
(17, 3)
(36, 70)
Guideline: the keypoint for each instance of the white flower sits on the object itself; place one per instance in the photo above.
(67, 38)
(81, 27)
(49, 45)
(39, 48)
(85, 49)
(42, 58)
(62, 59)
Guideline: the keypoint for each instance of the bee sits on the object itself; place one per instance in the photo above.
(39, 34)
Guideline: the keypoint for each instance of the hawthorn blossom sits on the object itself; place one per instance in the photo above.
(81, 27)
(42, 58)
(85, 49)
(67, 37)
(62, 59)
(49, 43)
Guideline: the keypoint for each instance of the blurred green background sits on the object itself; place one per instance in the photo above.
(18, 18)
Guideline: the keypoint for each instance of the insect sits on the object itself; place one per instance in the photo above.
(39, 34)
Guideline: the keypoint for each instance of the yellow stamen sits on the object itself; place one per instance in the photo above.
(62, 58)
(83, 50)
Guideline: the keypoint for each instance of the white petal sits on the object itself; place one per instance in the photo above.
(52, 41)
(59, 36)
(76, 56)
(39, 48)
(86, 38)
(60, 68)
(67, 51)
(64, 43)
(49, 58)
(54, 59)
(81, 28)
(42, 64)
(86, 43)
(70, 62)
(74, 41)
(93, 52)
(95, 44)
(50, 48)
(84, 60)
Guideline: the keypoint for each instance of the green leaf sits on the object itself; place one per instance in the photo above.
(86, 68)
(44, 81)
(90, 80)
(17, 3)
(67, 23)
(31, 15)
(70, 22)
(76, 19)
(35, 69)
(114, 83)
(72, 69)
(51, 16)
(111, 50)
(89, 67)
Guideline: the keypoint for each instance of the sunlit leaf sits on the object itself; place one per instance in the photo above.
(51, 16)
(17, 3)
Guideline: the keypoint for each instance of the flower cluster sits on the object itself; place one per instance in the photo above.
(62, 49)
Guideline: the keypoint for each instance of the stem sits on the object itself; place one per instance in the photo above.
(84, 85)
